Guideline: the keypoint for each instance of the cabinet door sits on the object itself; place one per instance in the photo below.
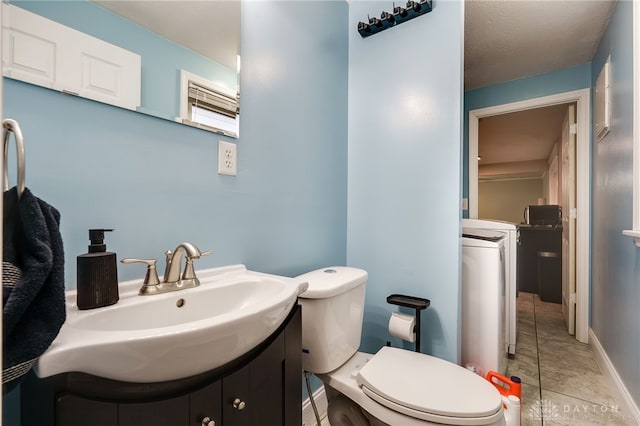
(72, 410)
(167, 412)
(95, 69)
(267, 385)
(292, 368)
(29, 47)
(43, 52)
(206, 403)
(527, 262)
(236, 398)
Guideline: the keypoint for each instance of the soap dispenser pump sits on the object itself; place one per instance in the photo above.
(97, 274)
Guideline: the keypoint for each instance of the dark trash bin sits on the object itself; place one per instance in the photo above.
(550, 276)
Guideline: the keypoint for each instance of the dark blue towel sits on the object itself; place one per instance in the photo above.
(33, 282)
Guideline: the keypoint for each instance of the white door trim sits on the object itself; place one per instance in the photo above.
(583, 161)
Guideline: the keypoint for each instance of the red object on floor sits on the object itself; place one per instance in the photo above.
(511, 390)
(505, 385)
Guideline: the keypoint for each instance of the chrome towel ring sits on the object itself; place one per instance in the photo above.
(12, 126)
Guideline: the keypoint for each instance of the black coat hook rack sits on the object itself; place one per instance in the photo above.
(399, 15)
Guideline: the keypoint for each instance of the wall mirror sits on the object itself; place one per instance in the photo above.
(174, 39)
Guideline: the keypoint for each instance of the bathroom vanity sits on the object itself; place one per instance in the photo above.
(262, 387)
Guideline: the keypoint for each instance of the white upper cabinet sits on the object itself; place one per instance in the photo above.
(30, 51)
(45, 53)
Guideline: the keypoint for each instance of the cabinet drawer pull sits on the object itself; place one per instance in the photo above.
(238, 404)
(208, 422)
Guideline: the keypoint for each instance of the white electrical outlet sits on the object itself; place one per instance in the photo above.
(227, 158)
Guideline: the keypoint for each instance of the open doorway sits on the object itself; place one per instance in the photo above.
(518, 161)
(526, 176)
(578, 213)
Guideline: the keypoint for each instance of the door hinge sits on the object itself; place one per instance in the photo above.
(573, 129)
(572, 298)
(573, 213)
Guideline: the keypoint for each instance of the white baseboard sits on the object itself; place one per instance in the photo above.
(308, 417)
(617, 385)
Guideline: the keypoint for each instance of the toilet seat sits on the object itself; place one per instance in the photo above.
(429, 388)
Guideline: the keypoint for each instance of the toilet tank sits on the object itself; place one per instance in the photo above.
(332, 310)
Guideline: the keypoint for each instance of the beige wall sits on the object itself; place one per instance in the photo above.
(506, 199)
(512, 168)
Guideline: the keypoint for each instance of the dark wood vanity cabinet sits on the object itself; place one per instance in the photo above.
(261, 388)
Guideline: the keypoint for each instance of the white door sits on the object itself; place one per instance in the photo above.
(553, 181)
(568, 203)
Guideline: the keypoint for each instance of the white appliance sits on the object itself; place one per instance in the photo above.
(511, 272)
(483, 296)
(392, 387)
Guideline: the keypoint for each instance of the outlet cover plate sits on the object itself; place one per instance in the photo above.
(227, 158)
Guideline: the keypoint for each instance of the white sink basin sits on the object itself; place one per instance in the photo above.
(173, 335)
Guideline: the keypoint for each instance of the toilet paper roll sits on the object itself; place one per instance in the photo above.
(402, 326)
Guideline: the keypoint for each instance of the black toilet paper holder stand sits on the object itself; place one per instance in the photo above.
(417, 303)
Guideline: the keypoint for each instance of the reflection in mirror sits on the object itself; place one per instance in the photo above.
(210, 28)
(199, 37)
(206, 105)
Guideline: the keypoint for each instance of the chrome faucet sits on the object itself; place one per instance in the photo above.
(172, 280)
(174, 260)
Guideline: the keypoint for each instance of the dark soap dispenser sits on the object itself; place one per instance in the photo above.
(97, 278)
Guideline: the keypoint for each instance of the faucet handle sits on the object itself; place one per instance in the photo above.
(151, 277)
(189, 273)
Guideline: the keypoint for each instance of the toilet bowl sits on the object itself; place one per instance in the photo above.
(394, 386)
(399, 387)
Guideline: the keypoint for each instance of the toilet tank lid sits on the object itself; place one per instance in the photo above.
(331, 281)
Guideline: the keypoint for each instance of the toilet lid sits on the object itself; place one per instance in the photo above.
(429, 388)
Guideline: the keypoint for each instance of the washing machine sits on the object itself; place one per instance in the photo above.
(483, 301)
(511, 272)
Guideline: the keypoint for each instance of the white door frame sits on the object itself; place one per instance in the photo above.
(583, 161)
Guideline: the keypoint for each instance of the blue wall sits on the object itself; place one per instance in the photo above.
(615, 293)
(559, 81)
(162, 60)
(405, 102)
(155, 181)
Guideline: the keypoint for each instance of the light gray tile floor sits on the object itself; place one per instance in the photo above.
(562, 383)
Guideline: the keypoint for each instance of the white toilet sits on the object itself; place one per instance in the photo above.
(394, 387)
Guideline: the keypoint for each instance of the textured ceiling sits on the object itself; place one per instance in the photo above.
(510, 39)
